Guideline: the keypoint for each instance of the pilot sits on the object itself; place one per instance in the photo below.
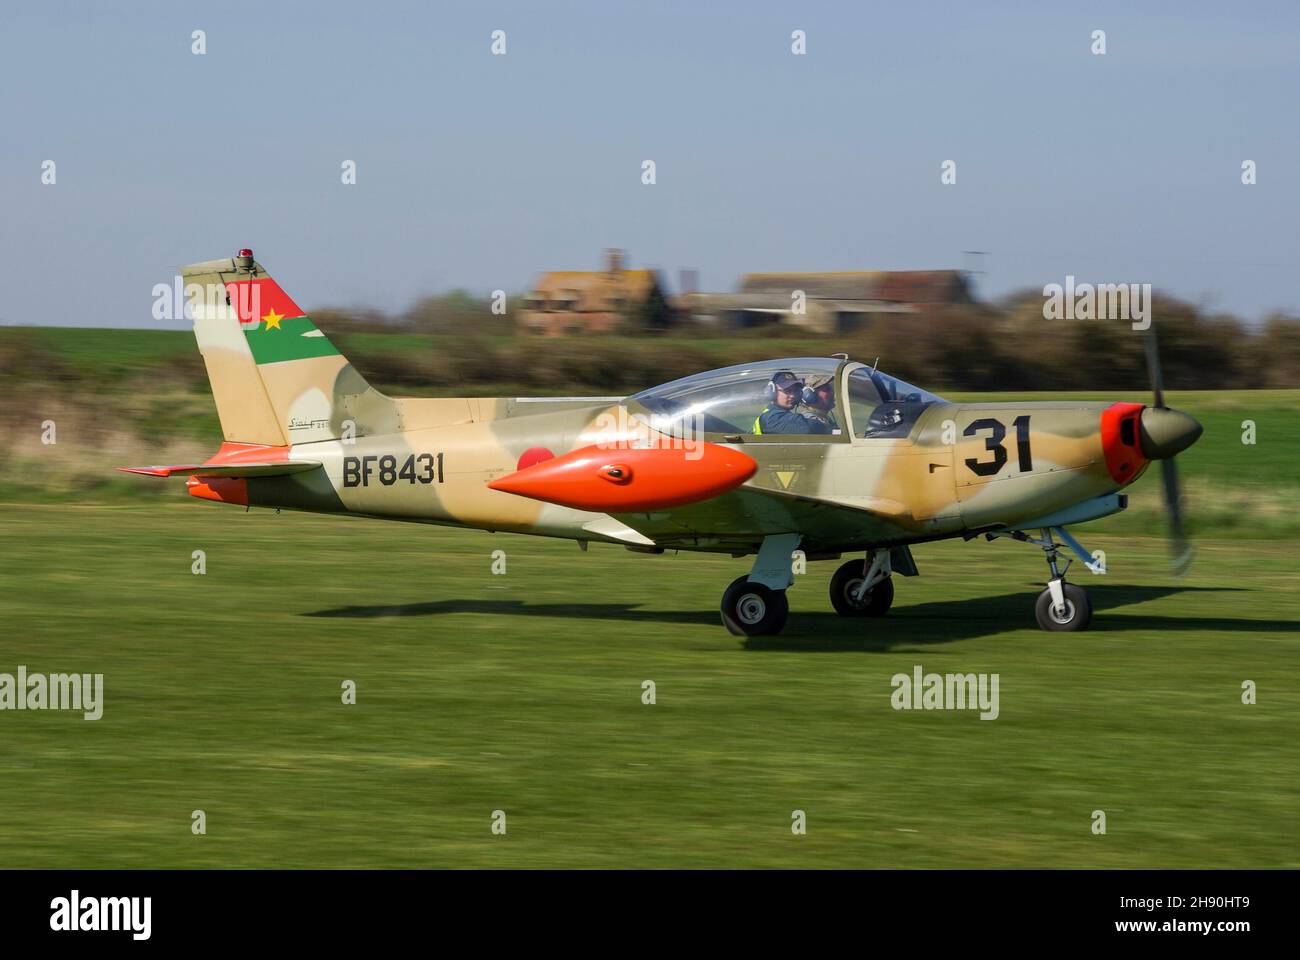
(785, 392)
(819, 398)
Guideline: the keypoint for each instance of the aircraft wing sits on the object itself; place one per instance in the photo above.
(663, 497)
(742, 517)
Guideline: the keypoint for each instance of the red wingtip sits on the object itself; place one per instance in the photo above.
(161, 471)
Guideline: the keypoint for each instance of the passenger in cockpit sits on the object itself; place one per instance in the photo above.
(784, 393)
(819, 398)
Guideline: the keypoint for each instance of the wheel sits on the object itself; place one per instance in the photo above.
(753, 610)
(844, 589)
(1078, 609)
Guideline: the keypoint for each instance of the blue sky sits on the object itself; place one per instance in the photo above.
(477, 171)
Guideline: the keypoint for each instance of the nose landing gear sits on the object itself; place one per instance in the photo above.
(1062, 606)
(1071, 611)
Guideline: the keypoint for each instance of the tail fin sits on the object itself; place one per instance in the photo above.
(275, 377)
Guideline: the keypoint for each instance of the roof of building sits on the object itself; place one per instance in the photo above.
(592, 288)
(901, 286)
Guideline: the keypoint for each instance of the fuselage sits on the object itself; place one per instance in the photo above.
(959, 468)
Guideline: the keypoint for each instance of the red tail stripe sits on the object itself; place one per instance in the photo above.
(254, 299)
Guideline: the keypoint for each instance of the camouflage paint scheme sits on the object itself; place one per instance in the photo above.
(287, 397)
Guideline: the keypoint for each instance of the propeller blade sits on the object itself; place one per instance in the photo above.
(1181, 550)
(1153, 366)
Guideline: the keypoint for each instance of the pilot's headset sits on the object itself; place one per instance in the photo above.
(786, 376)
(809, 395)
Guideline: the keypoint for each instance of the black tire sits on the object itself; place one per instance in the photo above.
(753, 610)
(844, 587)
(1078, 610)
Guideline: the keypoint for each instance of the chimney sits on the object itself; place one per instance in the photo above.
(613, 260)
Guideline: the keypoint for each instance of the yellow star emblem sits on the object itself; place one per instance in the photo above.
(272, 320)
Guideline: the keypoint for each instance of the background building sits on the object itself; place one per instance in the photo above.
(830, 303)
(596, 301)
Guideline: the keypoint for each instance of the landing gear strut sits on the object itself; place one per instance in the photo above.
(1062, 606)
(863, 589)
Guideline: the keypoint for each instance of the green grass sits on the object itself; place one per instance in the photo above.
(522, 693)
(98, 349)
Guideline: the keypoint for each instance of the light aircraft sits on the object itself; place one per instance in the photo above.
(827, 456)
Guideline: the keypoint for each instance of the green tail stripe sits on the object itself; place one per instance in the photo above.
(286, 341)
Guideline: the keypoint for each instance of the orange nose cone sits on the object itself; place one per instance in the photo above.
(631, 480)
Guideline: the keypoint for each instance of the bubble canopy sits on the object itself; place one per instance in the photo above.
(745, 400)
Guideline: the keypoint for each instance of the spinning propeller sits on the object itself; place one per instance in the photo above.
(1163, 434)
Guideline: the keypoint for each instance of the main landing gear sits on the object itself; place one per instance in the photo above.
(751, 609)
(1062, 606)
(756, 605)
(863, 588)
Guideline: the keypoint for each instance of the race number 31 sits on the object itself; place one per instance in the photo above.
(993, 443)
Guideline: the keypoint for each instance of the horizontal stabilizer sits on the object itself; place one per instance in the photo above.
(281, 469)
(235, 460)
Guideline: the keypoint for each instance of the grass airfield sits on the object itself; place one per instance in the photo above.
(522, 692)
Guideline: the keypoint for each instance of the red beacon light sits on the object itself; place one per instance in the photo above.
(244, 260)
